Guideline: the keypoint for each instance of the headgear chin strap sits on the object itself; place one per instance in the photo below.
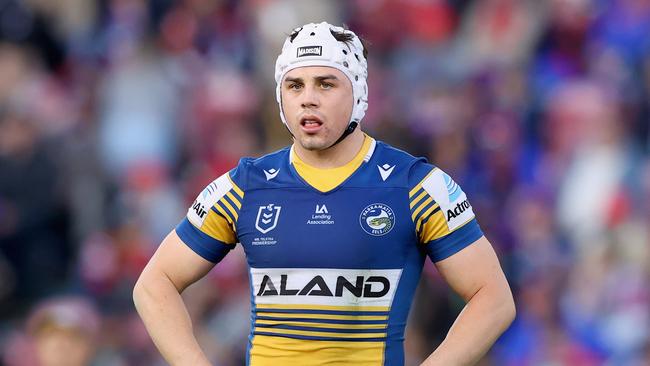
(314, 45)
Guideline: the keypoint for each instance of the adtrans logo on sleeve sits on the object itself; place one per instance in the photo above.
(214, 191)
(452, 188)
(377, 219)
(451, 198)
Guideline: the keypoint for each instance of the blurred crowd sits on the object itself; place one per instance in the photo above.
(114, 114)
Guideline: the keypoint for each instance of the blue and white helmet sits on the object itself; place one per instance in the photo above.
(314, 45)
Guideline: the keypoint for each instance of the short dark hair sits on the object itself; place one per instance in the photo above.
(339, 36)
(347, 37)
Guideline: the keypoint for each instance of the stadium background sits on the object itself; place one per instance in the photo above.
(114, 114)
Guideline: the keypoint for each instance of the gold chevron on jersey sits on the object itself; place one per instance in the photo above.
(216, 210)
(423, 206)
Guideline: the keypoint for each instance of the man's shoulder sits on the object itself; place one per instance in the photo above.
(256, 172)
(391, 153)
(415, 168)
(387, 166)
(387, 150)
(273, 158)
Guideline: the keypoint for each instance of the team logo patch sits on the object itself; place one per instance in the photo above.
(309, 51)
(377, 219)
(267, 218)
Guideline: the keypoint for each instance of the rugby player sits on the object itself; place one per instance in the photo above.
(335, 229)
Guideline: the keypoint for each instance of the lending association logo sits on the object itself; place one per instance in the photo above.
(321, 216)
(267, 218)
(377, 219)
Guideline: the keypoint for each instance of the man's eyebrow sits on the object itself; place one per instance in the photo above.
(325, 77)
(292, 80)
(318, 78)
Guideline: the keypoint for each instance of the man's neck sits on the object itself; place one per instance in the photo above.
(335, 156)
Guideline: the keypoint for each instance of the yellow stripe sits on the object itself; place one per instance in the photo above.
(418, 198)
(218, 228)
(435, 228)
(447, 232)
(236, 188)
(321, 325)
(323, 316)
(282, 351)
(424, 216)
(320, 334)
(229, 207)
(322, 307)
(423, 205)
(225, 214)
(417, 186)
(234, 199)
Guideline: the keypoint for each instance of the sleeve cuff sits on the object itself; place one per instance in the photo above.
(441, 248)
(202, 244)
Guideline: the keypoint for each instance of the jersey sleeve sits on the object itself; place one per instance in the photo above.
(443, 217)
(210, 227)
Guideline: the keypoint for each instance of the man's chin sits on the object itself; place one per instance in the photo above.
(313, 143)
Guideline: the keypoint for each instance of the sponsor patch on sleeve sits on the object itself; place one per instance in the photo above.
(213, 192)
(452, 200)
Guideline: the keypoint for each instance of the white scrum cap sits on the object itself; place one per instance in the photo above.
(314, 45)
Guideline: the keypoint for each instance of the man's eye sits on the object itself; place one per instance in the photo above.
(295, 86)
(326, 85)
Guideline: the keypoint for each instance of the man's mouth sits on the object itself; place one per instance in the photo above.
(310, 123)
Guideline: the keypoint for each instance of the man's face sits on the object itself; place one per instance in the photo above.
(317, 104)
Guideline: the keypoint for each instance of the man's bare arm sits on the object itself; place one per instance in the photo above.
(157, 299)
(475, 274)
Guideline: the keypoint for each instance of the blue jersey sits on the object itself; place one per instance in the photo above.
(334, 256)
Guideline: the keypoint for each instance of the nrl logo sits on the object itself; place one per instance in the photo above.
(309, 51)
(267, 218)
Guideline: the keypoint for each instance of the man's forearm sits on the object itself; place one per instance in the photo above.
(487, 314)
(164, 314)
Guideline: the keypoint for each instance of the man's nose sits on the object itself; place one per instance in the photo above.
(310, 97)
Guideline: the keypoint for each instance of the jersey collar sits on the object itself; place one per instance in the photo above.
(325, 180)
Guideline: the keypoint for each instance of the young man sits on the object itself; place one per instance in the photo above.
(335, 229)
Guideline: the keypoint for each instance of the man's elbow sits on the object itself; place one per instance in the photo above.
(139, 291)
(508, 309)
(145, 288)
